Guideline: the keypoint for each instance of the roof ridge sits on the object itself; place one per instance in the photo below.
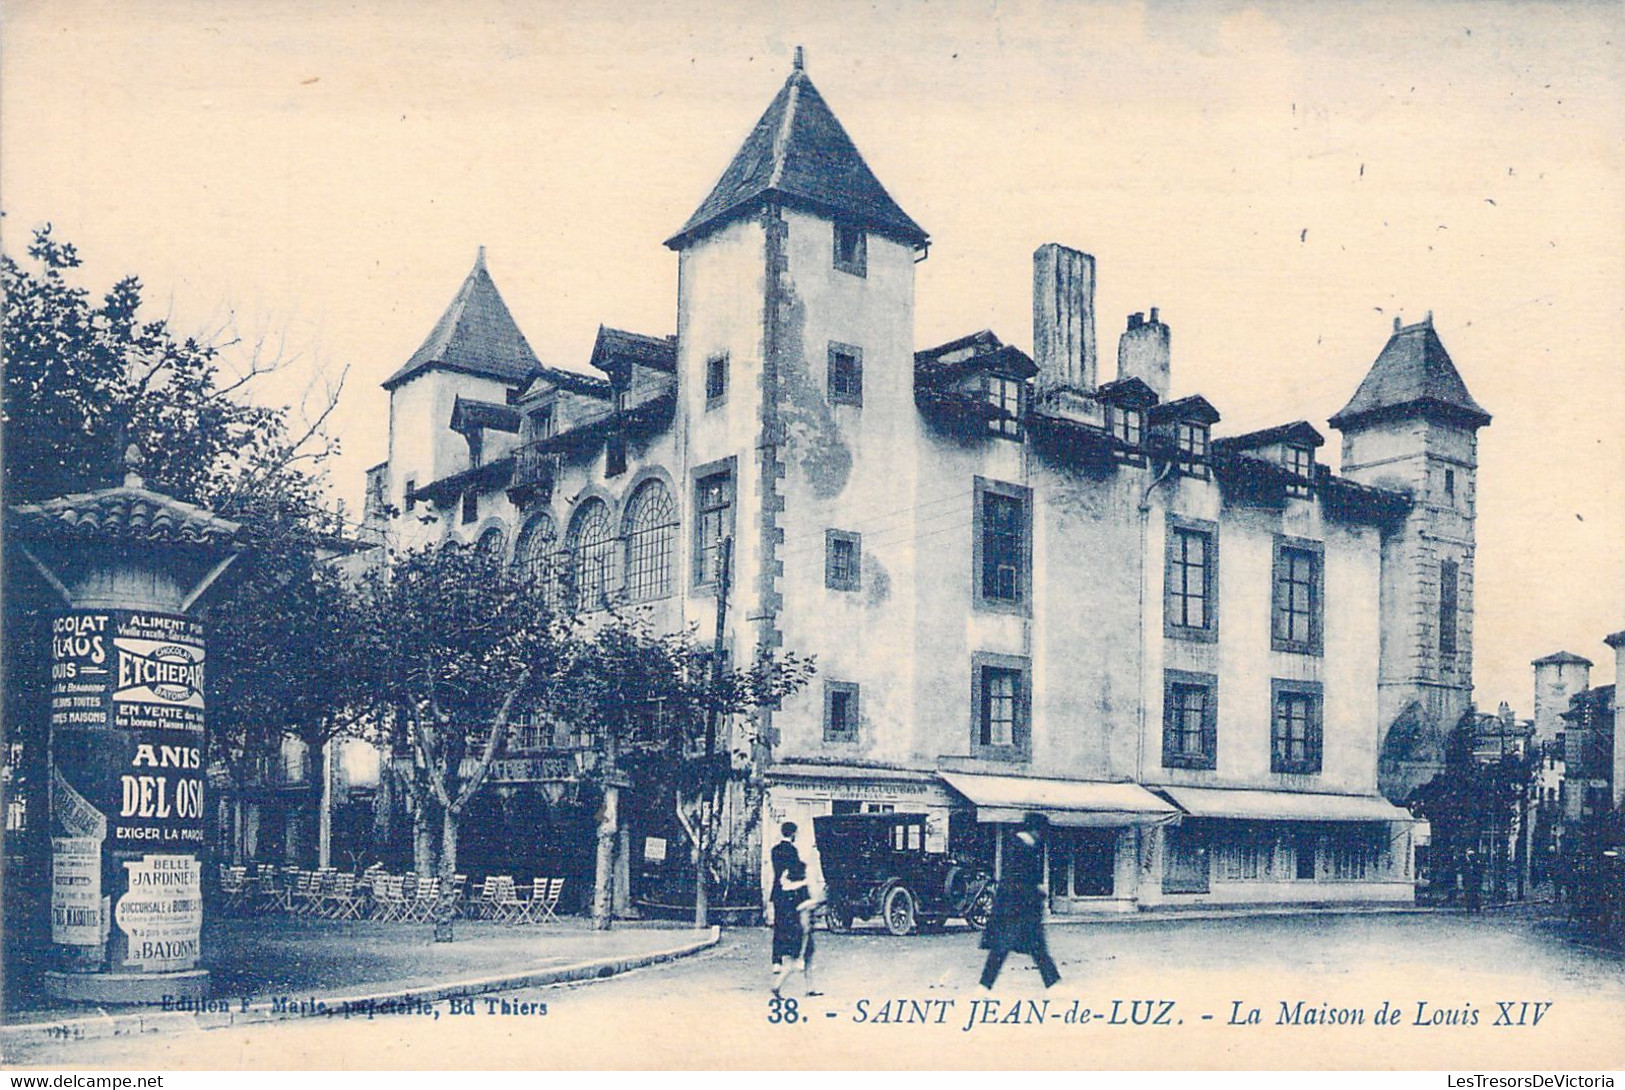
(781, 140)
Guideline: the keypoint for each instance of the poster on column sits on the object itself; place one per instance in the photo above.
(157, 714)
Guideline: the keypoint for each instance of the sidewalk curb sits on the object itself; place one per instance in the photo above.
(1231, 912)
(103, 1025)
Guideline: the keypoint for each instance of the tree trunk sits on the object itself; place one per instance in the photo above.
(604, 871)
(623, 871)
(448, 844)
(702, 887)
(422, 841)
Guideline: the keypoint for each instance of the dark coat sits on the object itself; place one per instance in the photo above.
(788, 938)
(1016, 921)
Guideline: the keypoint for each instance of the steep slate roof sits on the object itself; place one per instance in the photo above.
(658, 353)
(800, 153)
(1413, 375)
(1562, 658)
(1300, 432)
(477, 336)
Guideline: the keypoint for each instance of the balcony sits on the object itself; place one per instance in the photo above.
(535, 468)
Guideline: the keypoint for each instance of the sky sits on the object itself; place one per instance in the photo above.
(1281, 180)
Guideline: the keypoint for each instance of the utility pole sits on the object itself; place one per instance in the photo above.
(706, 814)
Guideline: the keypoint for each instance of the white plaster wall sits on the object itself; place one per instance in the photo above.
(849, 468)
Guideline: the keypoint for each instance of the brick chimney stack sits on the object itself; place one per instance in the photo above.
(1143, 352)
(1064, 317)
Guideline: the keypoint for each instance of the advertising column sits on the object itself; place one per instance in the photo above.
(127, 728)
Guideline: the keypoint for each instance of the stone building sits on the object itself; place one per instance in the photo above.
(1215, 663)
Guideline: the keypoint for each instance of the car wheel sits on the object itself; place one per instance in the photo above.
(898, 911)
(977, 915)
(838, 920)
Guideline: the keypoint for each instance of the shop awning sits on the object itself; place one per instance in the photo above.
(1065, 802)
(1213, 802)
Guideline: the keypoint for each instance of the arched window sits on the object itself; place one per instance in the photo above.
(651, 541)
(592, 555)
(538, 541)
(492, 543)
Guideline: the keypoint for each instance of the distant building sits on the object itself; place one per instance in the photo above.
(1589, 778)
(1215, 663)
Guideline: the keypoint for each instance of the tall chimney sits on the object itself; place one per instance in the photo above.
(1142, 352)
(1064, 316)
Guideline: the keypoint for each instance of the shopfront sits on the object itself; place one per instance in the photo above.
(801, 792)
(1259, 847)
(1095, 839)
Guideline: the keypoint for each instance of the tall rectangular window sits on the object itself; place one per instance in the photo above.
(713, 521)
(1003, 529)
(1295, 726)
(541, 422)
(1005, 395)
(1127, 425)
(1297, 607)
(843, 560)
(1000, 727)
(851, 250)
(1190, 716)
(840, 711)
(1449, 587)
(1190, 441)
(1300, 463)
(1190, 596)
(716, 380)
(471, 507)
(845, 374)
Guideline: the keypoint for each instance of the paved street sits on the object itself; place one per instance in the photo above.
(1192, 978)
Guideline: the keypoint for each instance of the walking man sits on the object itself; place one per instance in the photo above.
(1016, 923)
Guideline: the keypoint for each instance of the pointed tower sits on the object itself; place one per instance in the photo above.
(476, 351)
(795, 335)
(1413, 426)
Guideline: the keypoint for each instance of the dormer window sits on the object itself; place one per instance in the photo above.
(541, 422)
(1300, 463)
(1190, 441)
(1004, 394)
(1126, 425)
(851, 250)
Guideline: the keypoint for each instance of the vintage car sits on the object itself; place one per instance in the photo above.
(878, 865)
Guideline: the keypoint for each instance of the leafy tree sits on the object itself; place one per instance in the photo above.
(466, 644)
(1470, 800)
(87, 377)
(648, 699)
(462, 644)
